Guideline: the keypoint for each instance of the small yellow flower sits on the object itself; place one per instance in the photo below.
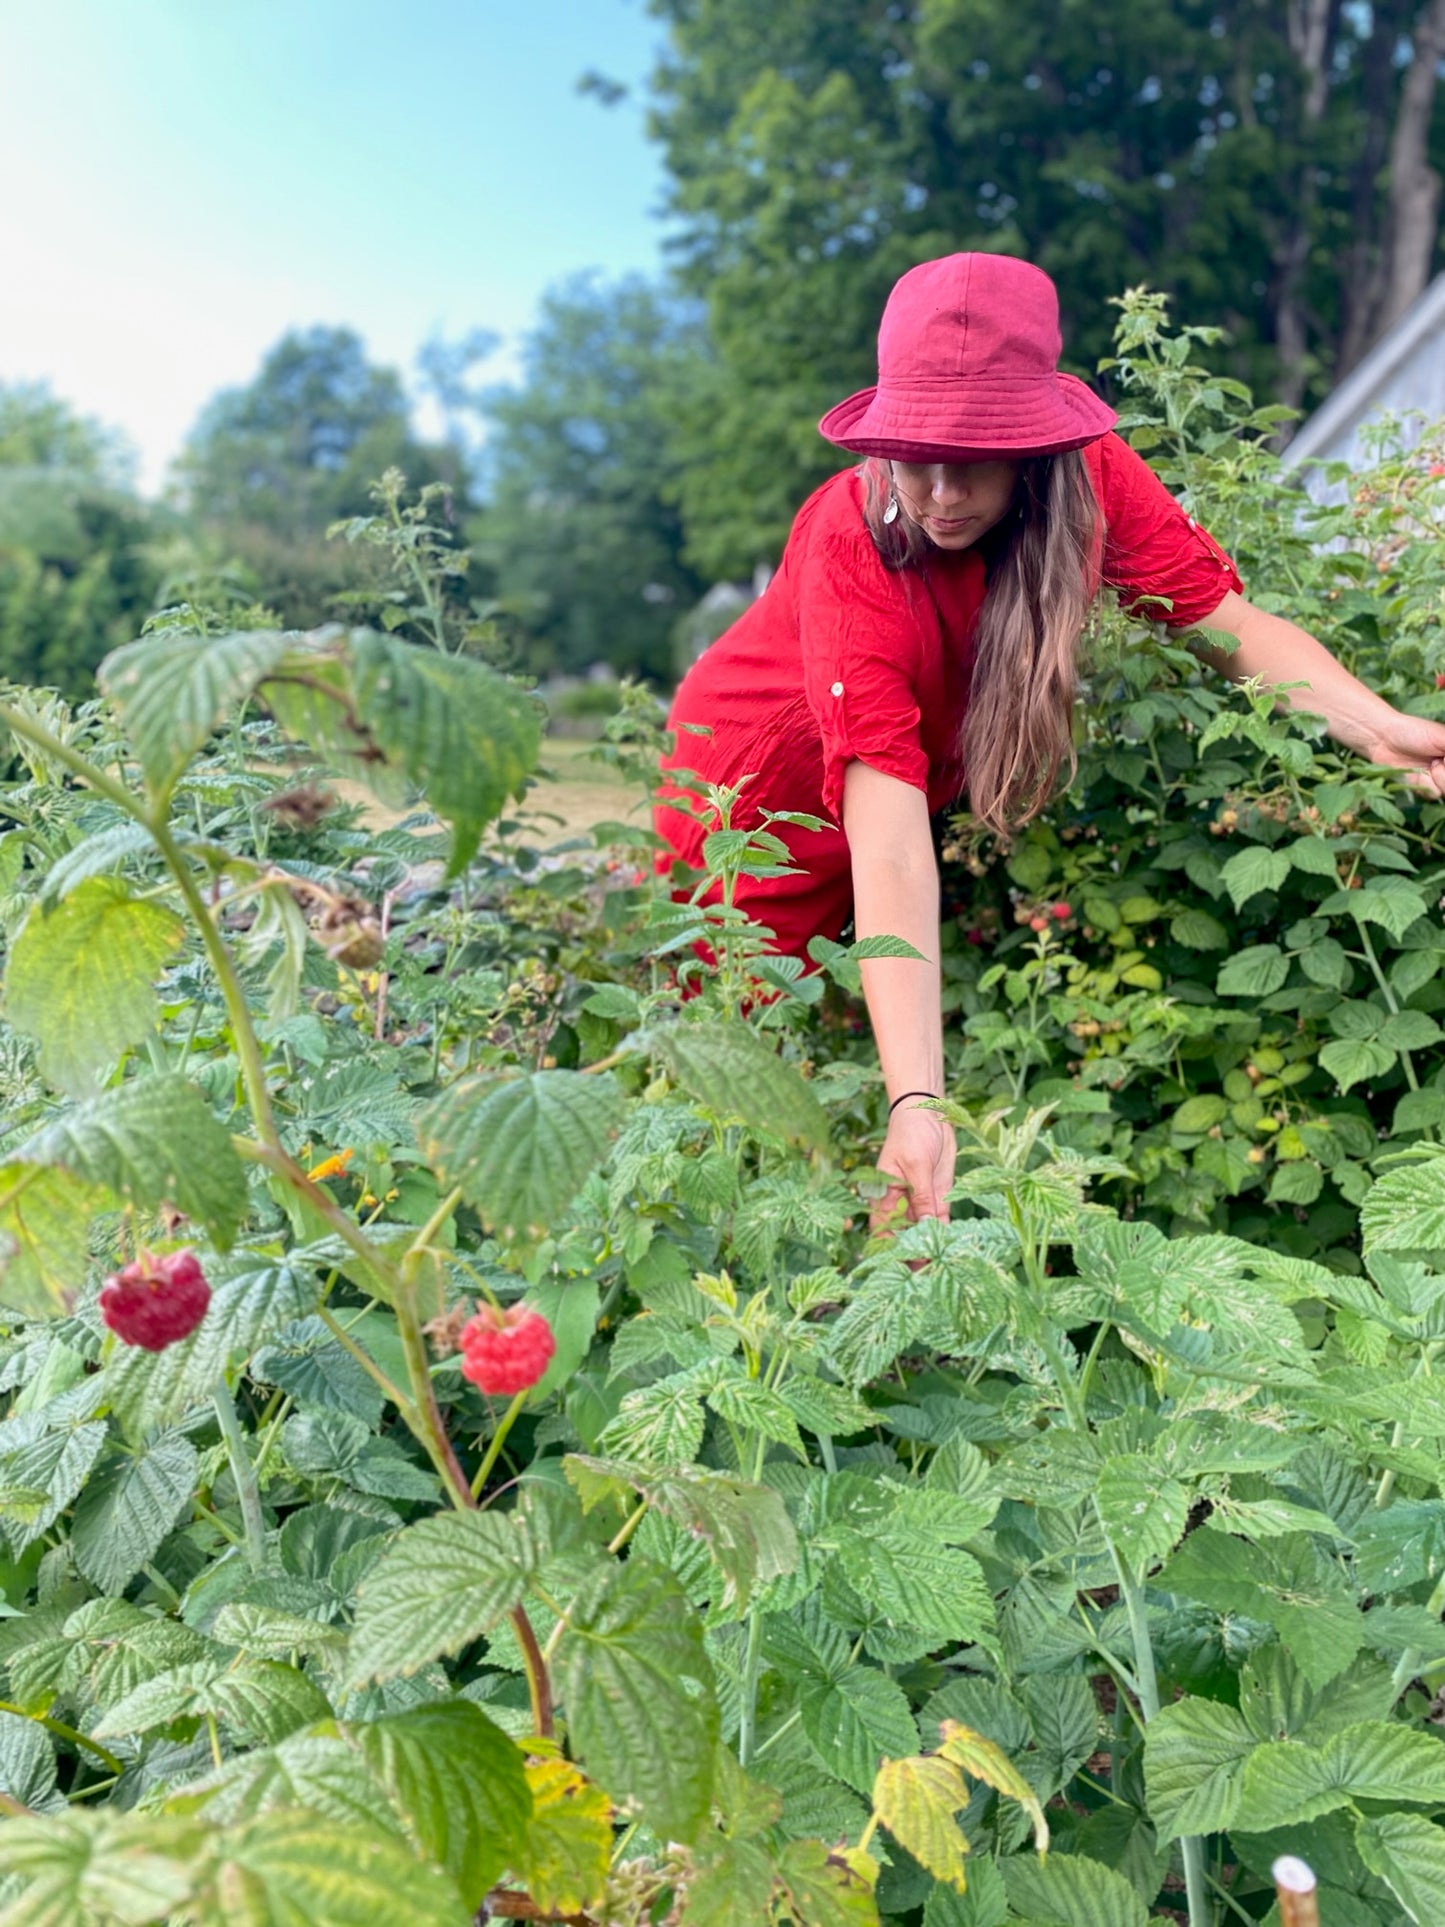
(332, 1167)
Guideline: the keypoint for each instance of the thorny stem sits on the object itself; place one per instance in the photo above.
(539, 1685)
(243, 1475)
(243, 1031)
(429, 1427)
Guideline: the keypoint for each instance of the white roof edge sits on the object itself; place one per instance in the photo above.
(1351, 400)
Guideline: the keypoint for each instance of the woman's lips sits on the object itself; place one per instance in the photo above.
(950, 524)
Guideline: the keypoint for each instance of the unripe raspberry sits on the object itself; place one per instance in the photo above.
(506, 1352)
(1038, 923)
(156, 1302)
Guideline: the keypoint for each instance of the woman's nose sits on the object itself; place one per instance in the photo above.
(948, 485)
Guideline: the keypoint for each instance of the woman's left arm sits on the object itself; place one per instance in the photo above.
(1277, 652)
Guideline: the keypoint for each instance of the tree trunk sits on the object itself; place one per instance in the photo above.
(1413, 216)
(1362, 270)
(1311, 28)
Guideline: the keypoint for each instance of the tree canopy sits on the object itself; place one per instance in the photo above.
(582, 477)
(1269, 168)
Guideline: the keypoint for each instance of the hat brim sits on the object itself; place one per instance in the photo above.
(971, 419)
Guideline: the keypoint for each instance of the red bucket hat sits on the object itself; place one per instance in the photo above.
(967, 368)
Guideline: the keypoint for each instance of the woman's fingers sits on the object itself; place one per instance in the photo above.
(919, 1152)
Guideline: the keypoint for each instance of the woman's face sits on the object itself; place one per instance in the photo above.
(955, 503)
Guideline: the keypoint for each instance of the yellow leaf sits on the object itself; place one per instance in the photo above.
(569, 1839)
(916, 1800)
(859, 1863)
(987, 1761)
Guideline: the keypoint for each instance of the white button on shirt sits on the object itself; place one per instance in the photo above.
(837, 689)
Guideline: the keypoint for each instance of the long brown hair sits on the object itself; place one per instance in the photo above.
(1019, 731)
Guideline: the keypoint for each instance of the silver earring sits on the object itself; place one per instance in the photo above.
(890, 514)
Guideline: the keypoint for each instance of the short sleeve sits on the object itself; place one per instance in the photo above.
(1157, 557)
(863, 630)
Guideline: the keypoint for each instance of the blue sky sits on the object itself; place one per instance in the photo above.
(184, 179)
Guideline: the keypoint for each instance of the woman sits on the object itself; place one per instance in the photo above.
(920, 636)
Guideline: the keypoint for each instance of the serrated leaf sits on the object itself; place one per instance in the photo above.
(521, 1148)
(661, 1425)
(984, 1903)
(1251, 870)
(746, 1528)
(459, 1783)
(96, 855)
(173, 691)
(565, 1852)
(1070, 1891)
(57, 1465)
(1407, 1852)
(1287, 1583)
(128, 1507)
(407, 717)
(440, 1584)
(1287, 1784)
(260, 1699)
(753, 1407)
(149, 1142)
(27, 1763)
(1355, 1060)
(917, 1799)
(1197, 930)
(981, 1758)
(1255, 972)
(89, 1869)
(44, 1237)
(854, 1721)
(1314, 855)
(1143, 1511)
(1405, 1209)
(933, 1588)
(824, 1889)
(265, 1632)
(1064, 1716)
(81, 978)
(734, 1074)
(637, 1688)
(292, 1867)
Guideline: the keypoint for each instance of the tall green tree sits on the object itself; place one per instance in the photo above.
(582, 528)
(77, 573)
(271, 465)
(1272, 168)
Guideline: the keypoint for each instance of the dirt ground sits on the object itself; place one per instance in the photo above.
(575, 794)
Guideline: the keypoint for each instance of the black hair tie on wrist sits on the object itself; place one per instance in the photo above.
(906, 1094)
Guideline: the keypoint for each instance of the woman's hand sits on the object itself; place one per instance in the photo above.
(1309, 678)
(1411, 743)
(919, 1151)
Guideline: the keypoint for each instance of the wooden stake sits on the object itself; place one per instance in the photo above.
(1295, 1887)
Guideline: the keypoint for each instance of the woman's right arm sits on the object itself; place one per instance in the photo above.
(895, 893)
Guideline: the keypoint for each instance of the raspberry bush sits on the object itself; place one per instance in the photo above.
(1063, 1563)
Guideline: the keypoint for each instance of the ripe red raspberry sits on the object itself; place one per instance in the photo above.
(1440, 678)
(1061, 912)
(156, 1302)
(506, 1352)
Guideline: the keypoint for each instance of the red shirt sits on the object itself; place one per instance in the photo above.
(843, 659)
